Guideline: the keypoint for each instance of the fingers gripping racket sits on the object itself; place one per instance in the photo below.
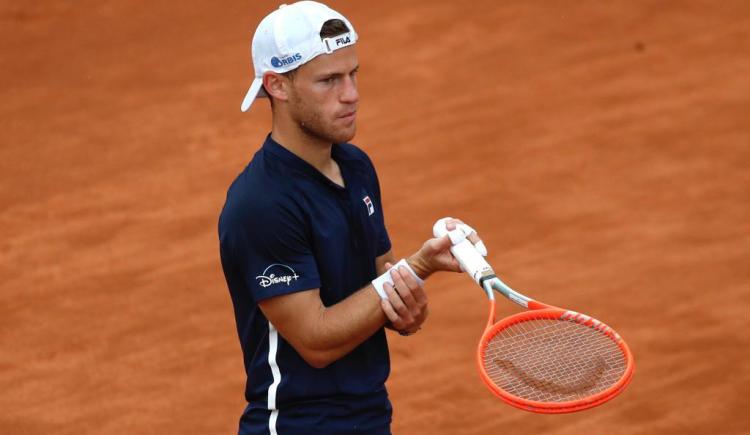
(546, 359)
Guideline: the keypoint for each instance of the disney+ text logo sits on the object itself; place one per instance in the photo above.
(286, 276)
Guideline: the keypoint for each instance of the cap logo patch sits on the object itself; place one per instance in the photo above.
(277, 63)
(335, 42)
(343, 41)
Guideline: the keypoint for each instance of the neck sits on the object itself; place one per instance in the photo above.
(313, 150)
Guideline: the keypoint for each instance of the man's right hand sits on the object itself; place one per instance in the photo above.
(406, 306)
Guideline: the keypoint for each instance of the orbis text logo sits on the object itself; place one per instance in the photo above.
(277, 63)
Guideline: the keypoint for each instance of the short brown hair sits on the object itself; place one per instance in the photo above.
(333, 28)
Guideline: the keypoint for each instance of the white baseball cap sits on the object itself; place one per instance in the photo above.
(289, 37)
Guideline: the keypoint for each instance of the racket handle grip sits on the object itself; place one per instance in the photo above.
(471, 261)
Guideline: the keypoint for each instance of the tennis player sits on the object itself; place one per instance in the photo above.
(304, 246)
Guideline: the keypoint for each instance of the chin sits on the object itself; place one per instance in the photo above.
(348, 136)
(330, 133)
(342, 135)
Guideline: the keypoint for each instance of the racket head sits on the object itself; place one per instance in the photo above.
(553, 360)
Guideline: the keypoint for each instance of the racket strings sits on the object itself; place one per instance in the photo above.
(553, 360)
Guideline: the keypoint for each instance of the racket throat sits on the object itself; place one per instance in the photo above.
(491, 282)
(485, 281)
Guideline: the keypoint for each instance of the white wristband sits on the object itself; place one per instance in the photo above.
(386, 278)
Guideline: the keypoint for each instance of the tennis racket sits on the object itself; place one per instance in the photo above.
(546, 359)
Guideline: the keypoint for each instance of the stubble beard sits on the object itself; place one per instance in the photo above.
(312, 124)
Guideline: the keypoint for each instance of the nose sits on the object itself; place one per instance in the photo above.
(349, 93)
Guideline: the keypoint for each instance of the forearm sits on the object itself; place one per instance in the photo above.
(415, 262)
(342, 327)
(322, 335)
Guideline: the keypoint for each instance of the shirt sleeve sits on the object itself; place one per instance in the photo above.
(272, 252)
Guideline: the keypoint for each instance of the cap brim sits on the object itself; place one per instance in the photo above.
(255, 91)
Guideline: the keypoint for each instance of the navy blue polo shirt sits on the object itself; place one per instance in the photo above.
(286, 228)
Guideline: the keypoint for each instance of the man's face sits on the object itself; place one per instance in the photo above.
(323, 97)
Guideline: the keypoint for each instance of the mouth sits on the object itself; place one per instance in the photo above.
(348, 116)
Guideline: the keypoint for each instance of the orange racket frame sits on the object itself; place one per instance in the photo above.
(538, 310)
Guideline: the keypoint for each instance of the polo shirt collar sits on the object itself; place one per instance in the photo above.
(295, 162)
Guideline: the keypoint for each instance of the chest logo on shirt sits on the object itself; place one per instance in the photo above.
(283, 274)
(369, 204)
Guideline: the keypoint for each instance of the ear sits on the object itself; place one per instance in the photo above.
(276, 86)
